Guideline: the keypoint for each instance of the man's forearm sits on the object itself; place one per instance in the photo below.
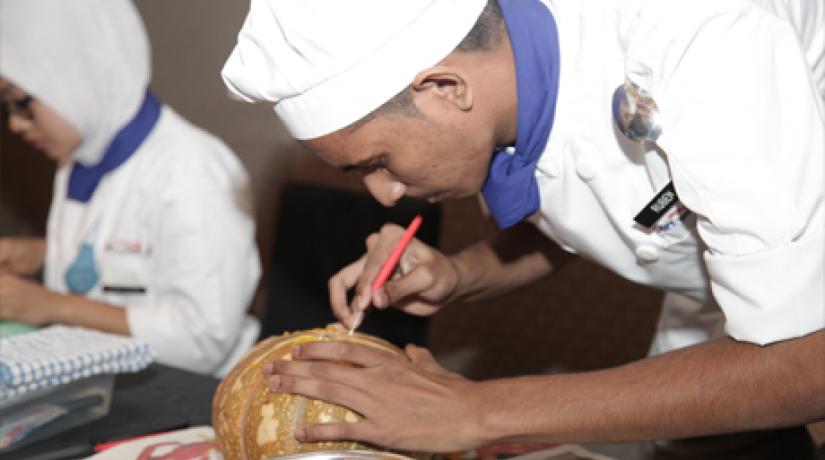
(509, 260)
(716, 387)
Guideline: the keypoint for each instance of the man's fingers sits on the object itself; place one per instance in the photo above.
(333, 392)
(320, 370)
(416, 282)
(338, 287)
(422, 358)
(354, 353)
(356, 318)
(371, 240)
(380, 247)
(358, 431)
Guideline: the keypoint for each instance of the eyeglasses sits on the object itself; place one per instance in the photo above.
(20, 107)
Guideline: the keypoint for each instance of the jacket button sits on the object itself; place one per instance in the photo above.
(585, 170)
(647, 253)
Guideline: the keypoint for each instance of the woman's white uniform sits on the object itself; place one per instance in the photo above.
(740, 87)
(171, 228)
(175, 220)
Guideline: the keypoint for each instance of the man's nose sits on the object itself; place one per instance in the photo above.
(18, 124)
(385, 189)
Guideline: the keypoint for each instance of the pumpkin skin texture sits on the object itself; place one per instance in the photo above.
(252, 422)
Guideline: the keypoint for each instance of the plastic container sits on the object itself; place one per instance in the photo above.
(47, 412)
(10, 329)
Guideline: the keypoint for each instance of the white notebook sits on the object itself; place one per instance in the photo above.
(60, 354)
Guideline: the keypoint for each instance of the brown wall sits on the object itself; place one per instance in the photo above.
(582, 318)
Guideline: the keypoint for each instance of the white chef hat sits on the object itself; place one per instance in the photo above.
(328, 63)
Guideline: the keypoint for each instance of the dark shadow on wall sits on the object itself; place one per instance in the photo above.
(26, 178)
(320, 230)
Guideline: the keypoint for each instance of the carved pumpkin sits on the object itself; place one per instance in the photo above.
(253, 422)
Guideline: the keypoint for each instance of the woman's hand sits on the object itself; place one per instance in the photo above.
(22, 256)
(26, 302)
(408, 403)
(424, 280)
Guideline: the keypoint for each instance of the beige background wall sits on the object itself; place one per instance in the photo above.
(582, 318)
(190, 41)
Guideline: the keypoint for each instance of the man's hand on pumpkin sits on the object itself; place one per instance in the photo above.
(407, 402)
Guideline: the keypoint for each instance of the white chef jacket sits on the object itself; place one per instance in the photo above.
(739, 85)
(176, 221)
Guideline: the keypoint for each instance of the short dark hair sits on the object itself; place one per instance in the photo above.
(487, 32)
(486, 35)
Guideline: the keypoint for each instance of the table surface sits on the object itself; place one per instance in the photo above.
(156, 398)
(161, 397)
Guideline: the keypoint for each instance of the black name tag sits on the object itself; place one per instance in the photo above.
(124, 289)
(658, 206)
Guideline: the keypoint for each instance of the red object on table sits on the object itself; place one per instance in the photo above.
(101, 446)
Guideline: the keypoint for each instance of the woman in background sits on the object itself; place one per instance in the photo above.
(150, 231)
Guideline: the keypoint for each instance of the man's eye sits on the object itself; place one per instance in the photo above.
(375, 166)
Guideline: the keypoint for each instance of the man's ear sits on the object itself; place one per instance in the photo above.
(447, 83)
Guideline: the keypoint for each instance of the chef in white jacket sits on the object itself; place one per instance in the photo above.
(150, 231)
(679, 143)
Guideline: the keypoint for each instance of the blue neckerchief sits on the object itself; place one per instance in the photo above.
(511, 191)
(83, 179)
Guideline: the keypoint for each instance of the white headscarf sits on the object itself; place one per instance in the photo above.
(89, 60)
